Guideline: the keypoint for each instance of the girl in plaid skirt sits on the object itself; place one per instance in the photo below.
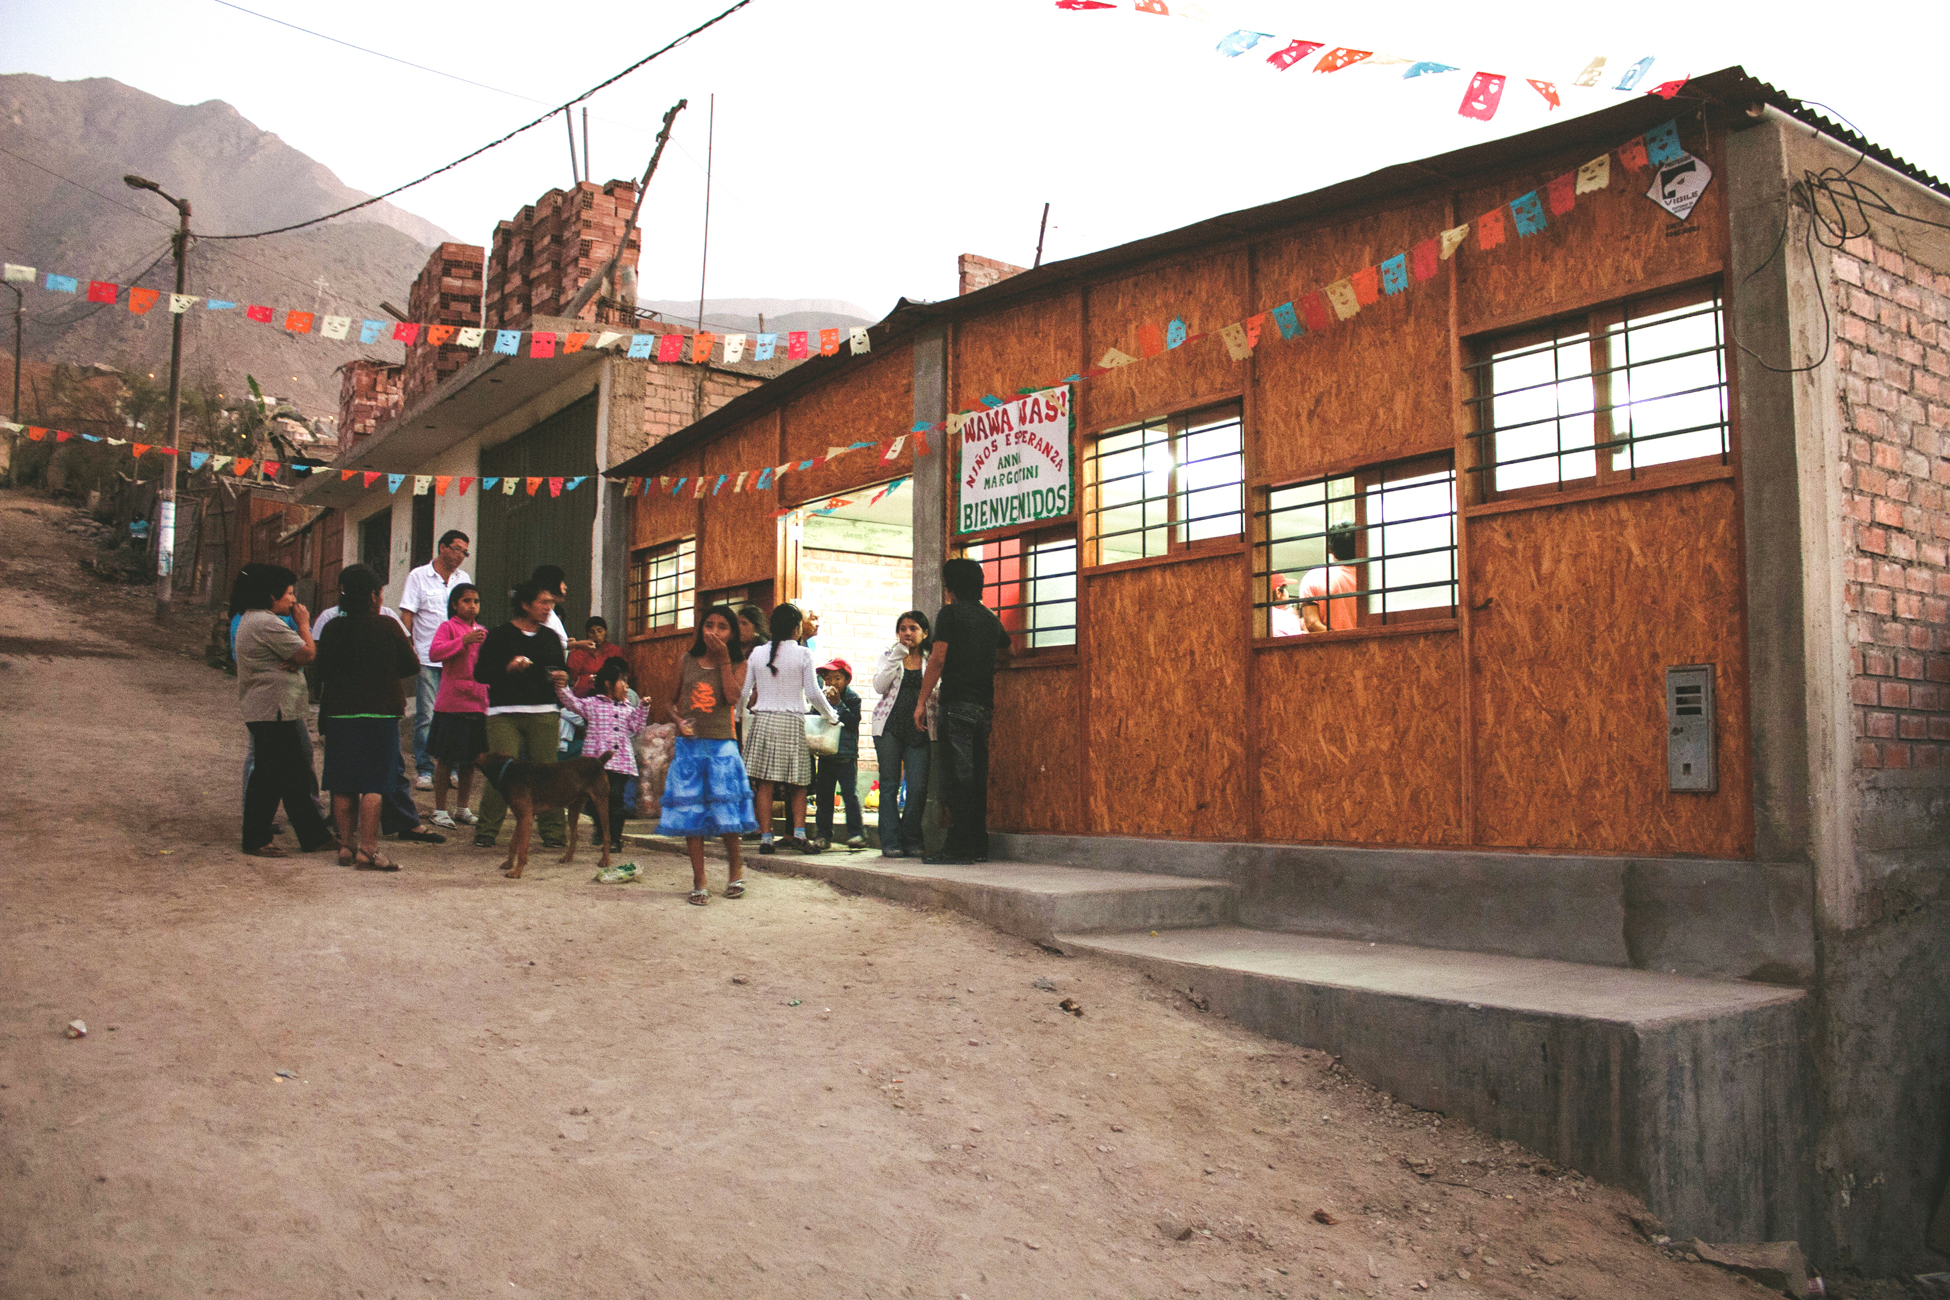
(782, 681)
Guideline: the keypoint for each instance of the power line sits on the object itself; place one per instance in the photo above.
(504, 139)
(167, 225)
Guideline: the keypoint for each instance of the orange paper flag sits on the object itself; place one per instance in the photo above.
(533, 483)
(241, 466)
(440, 482)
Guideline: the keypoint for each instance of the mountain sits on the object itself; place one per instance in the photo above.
(236, 177)
(781, 315)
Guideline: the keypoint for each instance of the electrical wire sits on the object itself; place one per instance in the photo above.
(709, 23)
(146, 216)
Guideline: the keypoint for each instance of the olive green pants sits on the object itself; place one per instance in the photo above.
(533, 736)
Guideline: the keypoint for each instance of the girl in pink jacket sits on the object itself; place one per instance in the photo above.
(459, 734)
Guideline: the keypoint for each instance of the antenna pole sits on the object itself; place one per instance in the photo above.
(1040, 232)
(570, 122)
(704, 260)
(587, 174)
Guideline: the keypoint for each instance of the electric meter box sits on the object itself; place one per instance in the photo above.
(1690, 745)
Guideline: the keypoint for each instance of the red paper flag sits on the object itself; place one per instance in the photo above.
(141, 300)
(670, 347)
(270, 468)
(406, 332)
(829, 342)
(1314, 307)
(1667, 89)
(1548, 90)
(795, 345)
(1490, 229)
(1084, 4)
(701, 343)
(298, 322)
(920, 442)
(62, 435)
(142, 447)
(440, 482)
(555, 486)
(533, 483)
(438, 334)
(1336, 59)
(1484, 94)
(541, 343)
(467, 481)
(262, 315)
(371, 477)
(102, 291)
(1292, 54)
(1151, 340)
(1151, 7)
(1367, 285)
(1254, 324)
(346, 474)
(1632, 154)
(1425, 259)
(1562, 192)
(241, 466)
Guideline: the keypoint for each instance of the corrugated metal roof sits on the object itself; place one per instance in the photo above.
(1730, 88)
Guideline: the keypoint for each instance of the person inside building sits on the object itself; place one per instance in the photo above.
(809, 631)
(422, 609)
(780, 682)
(1336, 614)
(271, 693)
(1282, 619)
(521, 664)
(900, 746)
(840, 772)
(361, 659)
(968, 641)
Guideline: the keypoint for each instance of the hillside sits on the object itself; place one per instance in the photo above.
(781, 315)
(237, 177)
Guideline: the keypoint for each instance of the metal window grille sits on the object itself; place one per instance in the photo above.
(1602, 397)
(1378, 547)
(1031, 584)
(663, 586)
(1164, 485)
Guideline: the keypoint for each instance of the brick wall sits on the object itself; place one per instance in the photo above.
(553, 247)
(448, 292)
(980, 272)
(369, 395)
(858, 598)
(1894, 359)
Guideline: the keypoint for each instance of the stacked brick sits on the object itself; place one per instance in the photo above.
(979, 272)
(1894, 358)
(369, 395)
(448, 292)
(556, 245)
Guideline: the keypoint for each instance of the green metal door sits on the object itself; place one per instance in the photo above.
(520, 532)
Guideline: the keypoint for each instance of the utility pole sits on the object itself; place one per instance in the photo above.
(1040, 232)
(19, 316)
(166, 498)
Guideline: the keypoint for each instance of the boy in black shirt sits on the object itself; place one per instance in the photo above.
(968, 639)
(840, 772)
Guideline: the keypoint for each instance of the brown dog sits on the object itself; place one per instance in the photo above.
(530, 788)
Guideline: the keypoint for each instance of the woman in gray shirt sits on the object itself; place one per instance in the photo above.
(272, 696)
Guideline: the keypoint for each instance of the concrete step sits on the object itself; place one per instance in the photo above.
(1687, 1091)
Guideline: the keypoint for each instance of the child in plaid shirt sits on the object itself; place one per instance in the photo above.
(612, 721)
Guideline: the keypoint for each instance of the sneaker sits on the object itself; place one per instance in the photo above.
(484, 841)
(443, 819)
(857, 842)
(621, 874)
(423, 782)
(465, 816)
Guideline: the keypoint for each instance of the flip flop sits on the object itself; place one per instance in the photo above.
(364, 861)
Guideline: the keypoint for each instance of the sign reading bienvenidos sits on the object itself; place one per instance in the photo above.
(1015, 461)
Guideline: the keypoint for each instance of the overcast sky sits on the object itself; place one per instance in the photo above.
(861, 146)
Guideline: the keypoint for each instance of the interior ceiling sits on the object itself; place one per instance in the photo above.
(895, 508)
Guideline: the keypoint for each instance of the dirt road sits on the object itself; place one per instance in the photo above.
(549, 1087)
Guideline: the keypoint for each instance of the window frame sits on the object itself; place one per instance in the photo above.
(685, 611)
(1366, 479)
(1596, 323)
(1178, 425)
(1024, 539)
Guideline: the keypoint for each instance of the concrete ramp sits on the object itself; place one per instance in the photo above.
(1687, 1091)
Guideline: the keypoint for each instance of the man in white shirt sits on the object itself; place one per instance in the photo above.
(422, 609)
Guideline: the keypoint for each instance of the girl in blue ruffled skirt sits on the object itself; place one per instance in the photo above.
(707, 792)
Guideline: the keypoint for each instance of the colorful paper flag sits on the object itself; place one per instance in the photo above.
(795, 345)
(893, 451)
(1489, 229)
(1484, 94)
(1175, 333)
(829, 342)
(1314, 310)
(509, 486)
(197, 458)
(335, 327)
(345, 476)
(575, 483)
(262, 315)
(1234, 44)
(1595, 175)
(670, 347)
(241, 466)
(1367, 285)
(220, 304)
(764, 480)
(62, 283)
(393, 481)
(734, 347)
(1529, 212)
(541, 343)
(1151, 339)
(438, 335)
(1336, 59)
(1394, 274)
(767, 344)
(1561, 195)
(1112, 359)
(697, 488)
(1427, 69)
(488, 484)
(1292, 54)
(440, 482)
(470, 338)
(407, 332)
(534, 483)
(371, 477)
(1254, 324)
(1343, 298)
(643, 346)
(507, 342)
(465, 481)
(182, 302)
(1668, 89)
(1661, 147)
(1634, 74)
(1234, 337)
(1425, 259)
(19, 274)
(555, 486)
(739, 486)
(141, 300)
(422, 484)
(1592, 71)
(141, 449)
(270, 468)
(103, 291)
(369, 331)
(608, 338)
(1548, 90)
(1452, 239)
(1632, 154)
(857, 338)
(298, 322)
(573, 343)
(701, 344)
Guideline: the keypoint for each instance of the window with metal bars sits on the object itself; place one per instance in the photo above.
(663, 587)
(1372, 548)
(1030, 581)
(1164, 486)
(1602, 397)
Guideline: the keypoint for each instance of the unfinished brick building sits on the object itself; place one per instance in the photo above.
(370, 393)
(448, 292)
(552, 248)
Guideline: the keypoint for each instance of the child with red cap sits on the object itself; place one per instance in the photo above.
(841, 769)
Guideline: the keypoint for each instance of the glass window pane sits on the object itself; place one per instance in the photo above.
(1412, 542)
(1051, 588)
(1668, 391)
(1541, 405)
(1210, 474)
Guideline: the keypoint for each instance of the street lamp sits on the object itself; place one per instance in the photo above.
(166, 501)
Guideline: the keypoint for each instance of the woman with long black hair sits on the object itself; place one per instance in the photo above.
(707, 791)
(781, 681)
(899, 745)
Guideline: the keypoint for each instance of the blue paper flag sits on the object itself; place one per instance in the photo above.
(1424, 69)
(1175, 332)
(680, 486)
(1288, 320)
(719, 485)
(1662, 144)
(1634, 74)
(92, 437)
(920, 426)
(805, 464)
(487, 484)
(991, 401)
(224, 304)
(766, 344)
(1394, 274)
(1529, 211)
(764, 480)
(393, 481)
(301, 467)
(643, 346)
(1237, 43)
(62, 283)
(507, 342)
(197, 458)
(575, 483)
(369, 331)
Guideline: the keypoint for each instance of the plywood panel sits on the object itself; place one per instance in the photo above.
(1206, 294)
(1034, 775)
(1590, 603)
(1614, 243)
(1360, 742)
(1027, 345)
(658, 516)
(1168, 701)
(738, 538)
(874, 400)
(1370, 388)
(654, 670)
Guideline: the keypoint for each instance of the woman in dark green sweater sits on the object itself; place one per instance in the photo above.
(361, 657)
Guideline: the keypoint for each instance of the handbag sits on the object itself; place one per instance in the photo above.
(822, 737)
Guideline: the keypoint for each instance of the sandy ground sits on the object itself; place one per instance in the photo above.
(549, 1087)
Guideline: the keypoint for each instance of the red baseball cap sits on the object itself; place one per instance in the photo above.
(1281, 580)
(838, 666)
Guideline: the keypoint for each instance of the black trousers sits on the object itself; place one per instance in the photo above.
(616, 810)
(844, 773)
(281, 774)
(963, 758)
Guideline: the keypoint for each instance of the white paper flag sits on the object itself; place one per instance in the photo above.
(734, 347)
(508, 486)
(182, 302)
(607, 338)
(1452, 239)
(857, 336)
(893, 450)
(1595, 175)
(19, 274)
(469, 338)
(335, 327)
(739, 486)
(422, 484)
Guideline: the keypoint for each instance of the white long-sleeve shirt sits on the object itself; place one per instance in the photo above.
(794, 684)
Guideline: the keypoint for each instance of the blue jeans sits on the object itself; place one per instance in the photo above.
(900, 828)
(423, 719)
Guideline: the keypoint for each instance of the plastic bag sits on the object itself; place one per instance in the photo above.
(822, 737)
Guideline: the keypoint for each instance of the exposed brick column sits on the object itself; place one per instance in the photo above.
(980, 272)
(448, 292)
(369, 395)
